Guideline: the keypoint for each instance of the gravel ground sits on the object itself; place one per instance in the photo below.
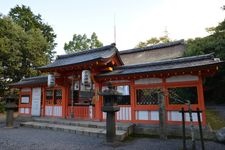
(21, 138)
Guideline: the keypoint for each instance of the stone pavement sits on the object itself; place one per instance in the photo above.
(21, 138)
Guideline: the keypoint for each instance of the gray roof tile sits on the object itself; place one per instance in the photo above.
(39, 80)
(83, 57)
(166, 65)
(152, 47)
(180, 63)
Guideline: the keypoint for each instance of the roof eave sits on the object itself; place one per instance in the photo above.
(160, 71)
(26, 85)
(62, 66)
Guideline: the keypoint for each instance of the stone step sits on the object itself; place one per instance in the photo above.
(129, 127)
(70, 122)
(89, 131)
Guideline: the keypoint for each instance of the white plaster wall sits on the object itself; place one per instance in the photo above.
(182, 78)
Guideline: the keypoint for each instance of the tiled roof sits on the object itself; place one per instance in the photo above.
(39, 80)
(83, 57)
(153, 47)
(159, 66)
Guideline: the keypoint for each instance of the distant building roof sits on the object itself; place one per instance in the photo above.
(152, 47)
(39, 80)
(84, 56)
(160, 66)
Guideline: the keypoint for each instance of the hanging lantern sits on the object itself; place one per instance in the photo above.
(51, 80)
(86, 78)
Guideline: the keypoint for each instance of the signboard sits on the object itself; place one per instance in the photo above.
(36, 102)
(25, 99)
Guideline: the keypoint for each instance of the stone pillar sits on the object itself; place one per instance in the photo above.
(162, 118)
(110, 124)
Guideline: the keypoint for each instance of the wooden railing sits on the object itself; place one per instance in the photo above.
(85, 112)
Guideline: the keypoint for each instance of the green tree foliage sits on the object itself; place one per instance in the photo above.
(24, 17)
(214, 43)
(153, 41)
(20, 52)
(81, 43)
(94, 42)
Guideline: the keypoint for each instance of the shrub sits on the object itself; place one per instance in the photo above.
(2, 108)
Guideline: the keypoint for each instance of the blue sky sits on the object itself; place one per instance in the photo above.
(136, 20)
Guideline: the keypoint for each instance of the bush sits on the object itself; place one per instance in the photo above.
(214, 120)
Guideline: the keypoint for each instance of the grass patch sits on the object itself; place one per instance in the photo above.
(214, 120)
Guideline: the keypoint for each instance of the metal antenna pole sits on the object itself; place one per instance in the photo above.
(114, 28)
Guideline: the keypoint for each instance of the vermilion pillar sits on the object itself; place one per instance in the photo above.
(98, 102)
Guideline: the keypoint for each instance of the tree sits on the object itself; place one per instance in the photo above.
(81, 43)
(20, 52)
(9, 50)
(214, 43)
(24, 17)
(94, 42)
(153, 41)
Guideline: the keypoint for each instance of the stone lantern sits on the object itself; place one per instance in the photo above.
(10, 107)
(110, 106)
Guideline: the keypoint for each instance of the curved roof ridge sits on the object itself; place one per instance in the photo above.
(152, 47)
(83, 57)
(86, 51)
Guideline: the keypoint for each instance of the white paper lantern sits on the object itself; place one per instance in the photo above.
(51, 80)
(86, 78)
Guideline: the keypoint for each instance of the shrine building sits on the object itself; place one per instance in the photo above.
(143, 76)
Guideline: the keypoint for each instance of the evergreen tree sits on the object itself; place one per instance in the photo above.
(24, 17)
(81, 43)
